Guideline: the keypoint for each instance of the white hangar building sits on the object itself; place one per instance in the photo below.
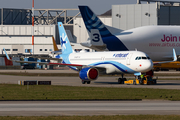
(16, 29)
(17, 39)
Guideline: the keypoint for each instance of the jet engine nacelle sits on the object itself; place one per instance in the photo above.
(89, 73)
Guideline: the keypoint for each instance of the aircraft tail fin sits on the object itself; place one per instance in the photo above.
(93, 22)
(54, 44)
(100, 35)
(64, 40)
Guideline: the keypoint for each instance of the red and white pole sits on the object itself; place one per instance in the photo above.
(33, 25)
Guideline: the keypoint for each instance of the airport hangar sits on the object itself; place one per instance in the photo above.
(16, 24)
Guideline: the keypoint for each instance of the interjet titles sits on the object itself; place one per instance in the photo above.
(120, 55)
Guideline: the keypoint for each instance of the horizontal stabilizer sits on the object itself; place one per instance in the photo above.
(97, 48)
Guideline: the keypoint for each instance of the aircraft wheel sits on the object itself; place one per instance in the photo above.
(120, 81)
(124, 79)
(134, 82)
(83, 82)
(88, 82)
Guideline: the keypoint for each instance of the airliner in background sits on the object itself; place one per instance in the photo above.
(156, 41)
(91, 64)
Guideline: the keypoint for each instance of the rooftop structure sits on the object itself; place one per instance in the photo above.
(10, 16)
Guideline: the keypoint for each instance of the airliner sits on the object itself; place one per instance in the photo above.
(91, 64)
(156, 41)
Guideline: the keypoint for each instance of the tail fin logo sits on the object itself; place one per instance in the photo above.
(63, 41)
(102, 34)
(93, 22)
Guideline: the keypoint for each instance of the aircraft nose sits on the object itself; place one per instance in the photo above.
(146, 66)
(149, 65)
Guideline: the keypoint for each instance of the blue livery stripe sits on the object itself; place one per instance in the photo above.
(118, 65)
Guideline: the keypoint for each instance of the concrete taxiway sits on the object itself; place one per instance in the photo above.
(100, 82)
(49, 108)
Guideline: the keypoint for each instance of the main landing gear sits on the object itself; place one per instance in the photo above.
(84, 82)
(121, 80)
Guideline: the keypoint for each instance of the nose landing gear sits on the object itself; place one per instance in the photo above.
(121, 80)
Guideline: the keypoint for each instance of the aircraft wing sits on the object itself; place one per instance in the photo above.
(94, 47)
(56, 52)
(174, 56)
(57, 59)
(30, 62)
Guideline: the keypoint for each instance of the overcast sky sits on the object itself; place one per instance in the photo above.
(98, 6)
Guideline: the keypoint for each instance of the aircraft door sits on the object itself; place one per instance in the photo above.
(128, 58)
(102, 58)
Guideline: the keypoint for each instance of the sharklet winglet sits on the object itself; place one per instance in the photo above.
(174, 55)
(6, 54)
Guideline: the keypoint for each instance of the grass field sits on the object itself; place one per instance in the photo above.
(48, 92)
(116, 117)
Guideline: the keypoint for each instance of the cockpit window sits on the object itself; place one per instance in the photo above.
(143, 58)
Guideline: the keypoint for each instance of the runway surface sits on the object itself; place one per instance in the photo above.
(100, 82)
(50, 108)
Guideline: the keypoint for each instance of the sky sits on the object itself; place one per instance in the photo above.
(98, 6)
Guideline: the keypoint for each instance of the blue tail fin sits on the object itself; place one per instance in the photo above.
(93, 22)
(65, 44)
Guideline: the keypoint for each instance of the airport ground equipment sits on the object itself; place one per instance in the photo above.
(147, 80)
(34, 82)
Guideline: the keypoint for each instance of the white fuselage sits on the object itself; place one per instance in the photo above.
(156, 41)
(114, 62)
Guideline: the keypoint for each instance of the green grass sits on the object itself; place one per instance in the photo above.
(48, 92)
(115, 117)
